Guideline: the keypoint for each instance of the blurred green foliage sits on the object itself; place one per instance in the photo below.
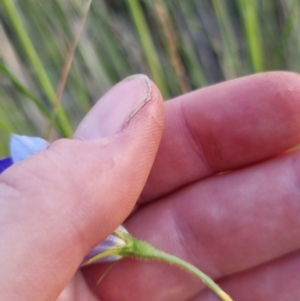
(181, 45)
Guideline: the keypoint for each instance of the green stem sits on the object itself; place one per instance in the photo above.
(147, 44)
(36, 63)
(132, 247)
(141, 249)
(249, 10)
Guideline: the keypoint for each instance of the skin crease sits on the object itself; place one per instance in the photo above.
(240, 227)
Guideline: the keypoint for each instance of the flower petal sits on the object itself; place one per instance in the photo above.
(111, 242)
(22, 147)
(111, 245)
(5, 163)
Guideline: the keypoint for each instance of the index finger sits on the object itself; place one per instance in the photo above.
(223, 127)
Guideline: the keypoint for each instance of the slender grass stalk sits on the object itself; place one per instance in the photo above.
(183, 16)
(171, 45)
(66, 68)
(23, 90)
(248, 9)
(112, 38)
(290, 32)
(230, 54)
(5, 130)
(147, 44)
(207, 40)
(45, 82)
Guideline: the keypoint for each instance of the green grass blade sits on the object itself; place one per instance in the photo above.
(23, 90)
(184, 16)
(36, 63)
(147, 44)
(230, 56)
(249, 11)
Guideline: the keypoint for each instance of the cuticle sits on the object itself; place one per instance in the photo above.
(148, 96)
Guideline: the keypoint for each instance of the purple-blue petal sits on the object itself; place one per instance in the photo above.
(5, 163)
(111, 242)
(22, 147)
(114, 241)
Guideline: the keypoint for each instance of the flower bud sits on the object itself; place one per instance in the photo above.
(109, 250)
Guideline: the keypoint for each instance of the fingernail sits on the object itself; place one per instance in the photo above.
(115, 109)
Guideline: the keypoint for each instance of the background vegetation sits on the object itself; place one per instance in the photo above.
(57, 57)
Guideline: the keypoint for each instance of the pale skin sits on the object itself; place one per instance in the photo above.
(242, 228)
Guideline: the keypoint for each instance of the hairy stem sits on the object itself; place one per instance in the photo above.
(142, 249)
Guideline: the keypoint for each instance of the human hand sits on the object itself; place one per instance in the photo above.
(242, 227)
(239, 123)
(58, 204)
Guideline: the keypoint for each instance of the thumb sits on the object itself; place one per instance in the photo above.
(60, 203)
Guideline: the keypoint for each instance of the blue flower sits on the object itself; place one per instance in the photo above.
(5, 163)
(22, 147)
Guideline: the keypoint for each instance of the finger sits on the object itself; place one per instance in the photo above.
(60, 203)
(223, 225)
(276, 281)
(224, 127)
(77, 290)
